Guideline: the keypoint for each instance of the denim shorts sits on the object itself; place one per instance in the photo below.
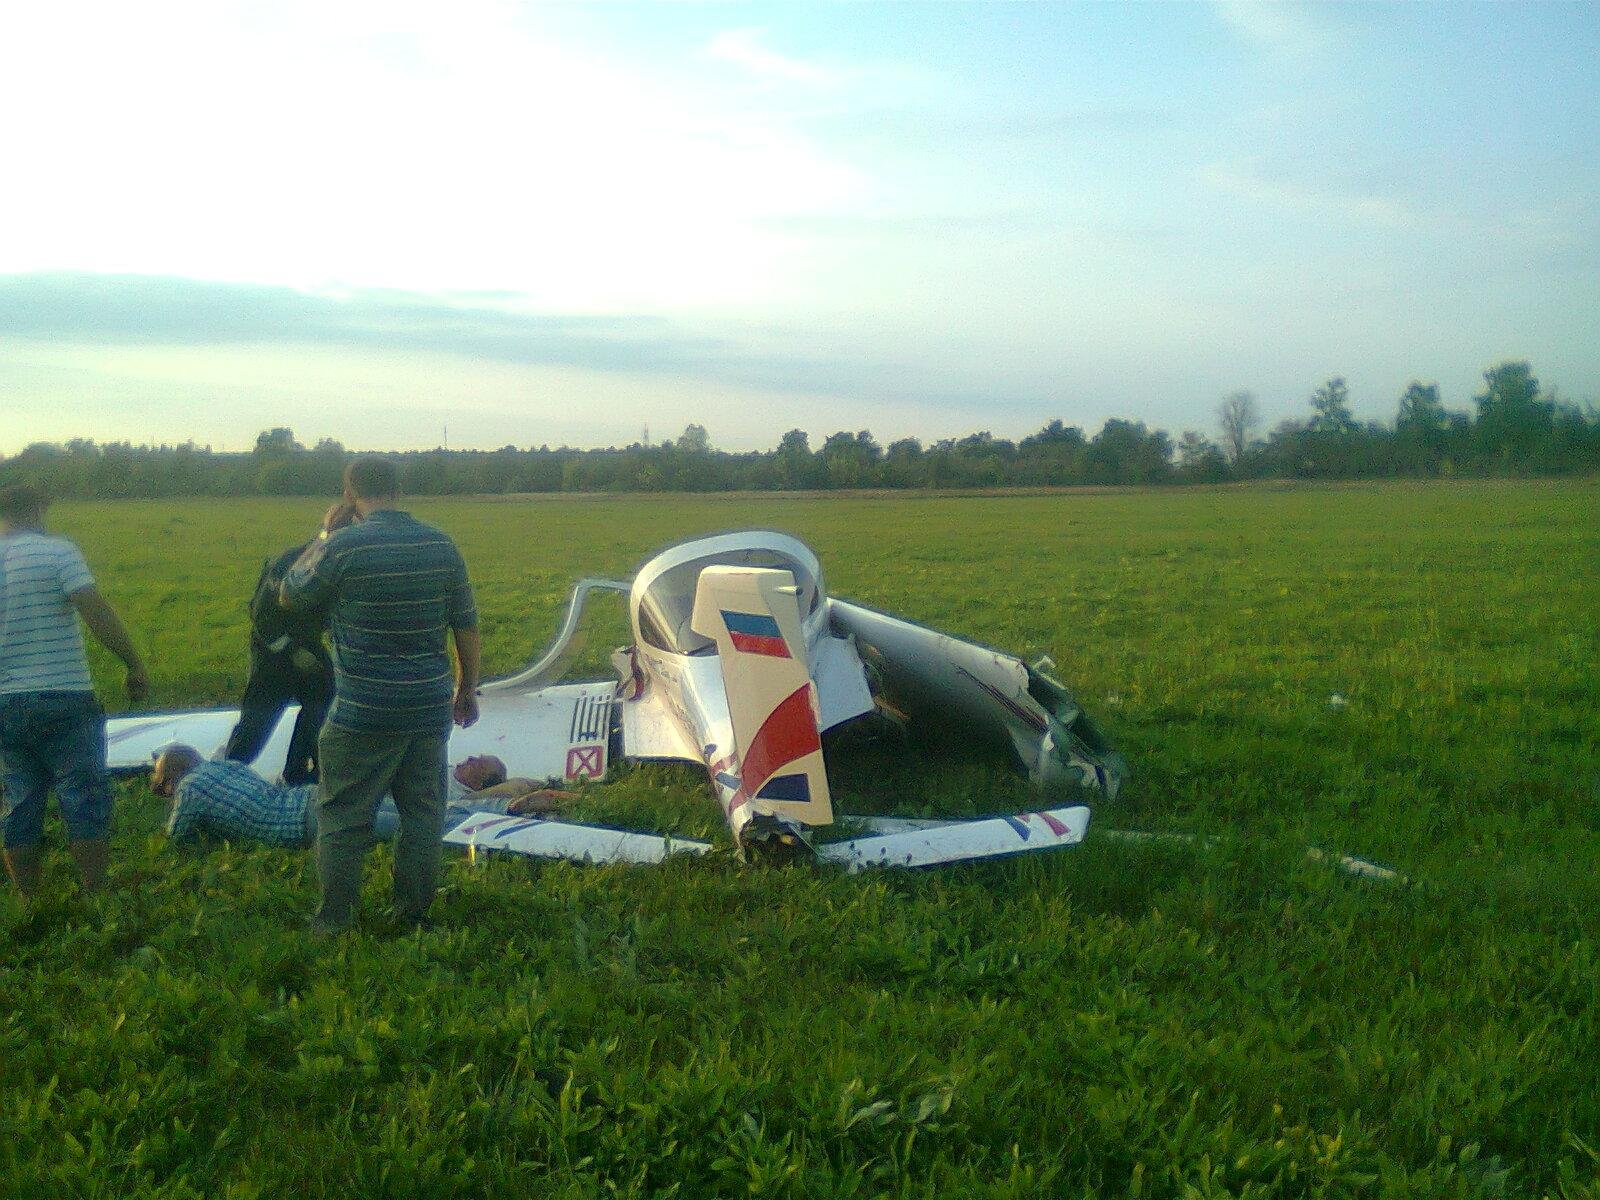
(54, 739)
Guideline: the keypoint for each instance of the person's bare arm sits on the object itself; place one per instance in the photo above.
(104, 623)
(540, 800)
(518, 786)
(467, 650)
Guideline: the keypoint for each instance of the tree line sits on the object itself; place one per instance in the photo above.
(1515, 428)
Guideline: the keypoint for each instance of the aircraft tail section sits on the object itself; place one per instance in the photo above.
(753, 615)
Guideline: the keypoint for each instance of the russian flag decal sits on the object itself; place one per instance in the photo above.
(755, 633)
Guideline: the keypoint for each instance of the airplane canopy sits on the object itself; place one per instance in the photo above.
(664, 589)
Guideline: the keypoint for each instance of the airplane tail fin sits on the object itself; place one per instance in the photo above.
(753, 615)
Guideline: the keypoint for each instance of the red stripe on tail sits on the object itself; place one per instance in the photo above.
(788, 733)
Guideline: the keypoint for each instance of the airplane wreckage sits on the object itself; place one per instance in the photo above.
(740, 662)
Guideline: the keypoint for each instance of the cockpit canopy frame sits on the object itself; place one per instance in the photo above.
(661, 602)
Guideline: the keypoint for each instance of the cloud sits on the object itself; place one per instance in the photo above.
(152, 358)
(1278, 26)
(745, 49)
(157, 311)
(1369, 207)
(418, 148)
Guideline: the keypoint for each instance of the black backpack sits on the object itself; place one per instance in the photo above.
(270, 622)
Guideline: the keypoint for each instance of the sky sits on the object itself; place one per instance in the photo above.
(400, 224)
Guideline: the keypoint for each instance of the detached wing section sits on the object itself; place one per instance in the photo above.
(563, 839)
(930, 843)
(561, 732)
(131, 742)
(753, 615)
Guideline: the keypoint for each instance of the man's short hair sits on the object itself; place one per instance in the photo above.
(21, 503)
(494, 772)
(172, 763)
(372, 479)
(177, 754)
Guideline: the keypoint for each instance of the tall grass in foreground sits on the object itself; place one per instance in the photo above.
(1119, 1019)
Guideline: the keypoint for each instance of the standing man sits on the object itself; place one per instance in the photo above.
(52, 729)
(287, 662)
(393, 587)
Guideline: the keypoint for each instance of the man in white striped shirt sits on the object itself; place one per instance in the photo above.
(52, 729)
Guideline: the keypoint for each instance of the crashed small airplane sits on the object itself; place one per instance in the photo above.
(740, 662)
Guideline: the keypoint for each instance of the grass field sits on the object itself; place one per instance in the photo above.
(1140, 1020)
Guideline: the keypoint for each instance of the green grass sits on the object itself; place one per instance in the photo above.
(1118, 1019)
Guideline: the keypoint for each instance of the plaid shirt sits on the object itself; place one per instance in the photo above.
(229, 800)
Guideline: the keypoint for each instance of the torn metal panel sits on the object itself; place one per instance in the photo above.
(842, 689)
(650, 731)
(932, 677)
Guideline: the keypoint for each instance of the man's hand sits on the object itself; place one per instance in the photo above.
(338, 516)
(466, 676)
(305, 662)
(137, 683)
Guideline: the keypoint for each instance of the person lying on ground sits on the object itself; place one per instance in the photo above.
(227, 799)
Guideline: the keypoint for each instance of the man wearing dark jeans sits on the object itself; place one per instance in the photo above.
(287, 663)
(393, 587)
(52, 729)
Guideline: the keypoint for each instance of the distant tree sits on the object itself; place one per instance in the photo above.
(1199, 459)
(1287, 451)
(1421, 413)
(793, 463)
(1520, 428)
(1238, 415)
(1054, 455)
(851, 459)
(1513, 418)
(1331, 403)
(1054, 434)
(902, 463)
(694, 440)
(276, 442)
(1419, 430)
(1126, 452)
(1574, 441)
(323, 472)
(904, 450)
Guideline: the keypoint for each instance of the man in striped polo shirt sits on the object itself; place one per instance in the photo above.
(393, 588)
(52, 729)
